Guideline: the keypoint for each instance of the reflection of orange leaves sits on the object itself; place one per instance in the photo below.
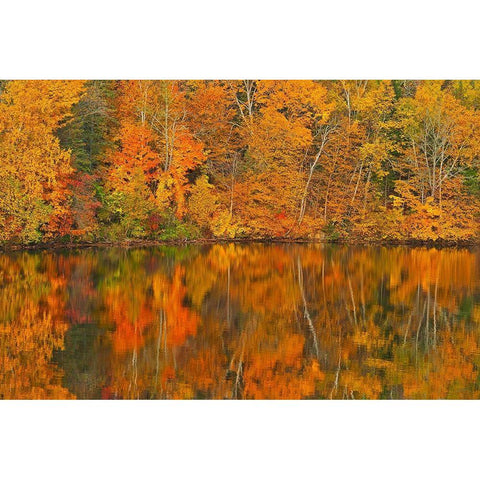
(206, 370)
(137, 317)
(446, 372)
(361, 386)
(126, 336)
(168, 373)
(130, 331)
(31, 329)
(181, 321)
(280, 371)
(182, 391)
(378, 363)
(107, 393)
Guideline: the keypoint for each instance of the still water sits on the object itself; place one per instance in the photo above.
(237, 321)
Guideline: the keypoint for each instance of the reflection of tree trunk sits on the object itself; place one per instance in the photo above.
(238, 376)
(236, 366)
(428, 319)
(418, 330)
(133, 389)
(408, 328)
(326, 312)
(353, 300)
(159, 343)
(416, 311)
(362, 296)
(239, 368)
(228, 296)
(337, 374)
(306, 313)
(435, 305)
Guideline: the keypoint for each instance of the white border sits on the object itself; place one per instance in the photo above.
(239, 39)
(239, 440)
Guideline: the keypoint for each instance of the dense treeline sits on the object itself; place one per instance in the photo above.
(166, 160)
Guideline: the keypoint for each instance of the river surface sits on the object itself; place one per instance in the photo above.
(241, 321)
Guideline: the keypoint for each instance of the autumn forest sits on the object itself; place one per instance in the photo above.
(357, 161)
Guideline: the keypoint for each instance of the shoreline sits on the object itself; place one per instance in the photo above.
(54, 246)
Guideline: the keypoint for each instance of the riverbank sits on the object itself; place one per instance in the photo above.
(133, 243)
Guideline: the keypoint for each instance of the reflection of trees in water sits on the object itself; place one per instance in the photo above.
(241, 321)
(32, 326)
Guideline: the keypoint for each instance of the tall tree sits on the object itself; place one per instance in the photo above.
(34, 169)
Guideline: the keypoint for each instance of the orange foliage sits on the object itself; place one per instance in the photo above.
(328, 160)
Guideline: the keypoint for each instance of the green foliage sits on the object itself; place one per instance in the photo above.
(89, 134)
(331, 232)
(471, 179)
(131, 210)
(175, 230)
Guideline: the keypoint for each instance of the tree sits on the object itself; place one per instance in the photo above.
(440, 140)
(34, 170)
